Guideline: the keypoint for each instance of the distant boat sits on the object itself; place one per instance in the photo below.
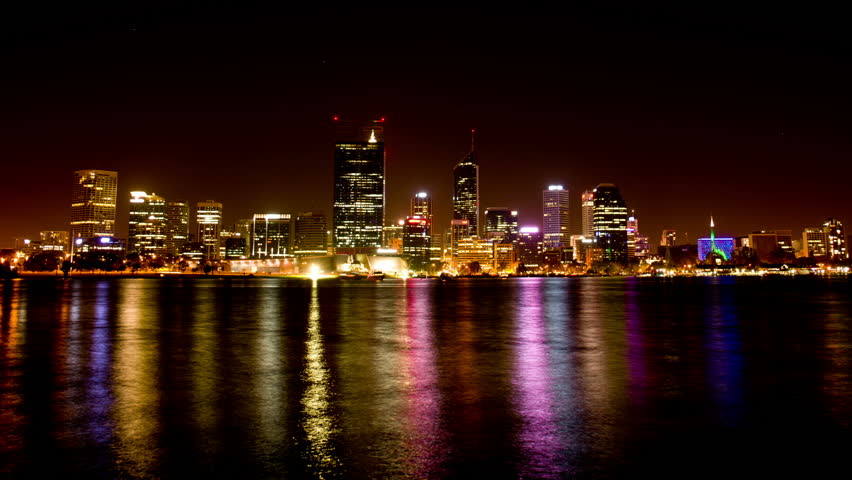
(376, 276)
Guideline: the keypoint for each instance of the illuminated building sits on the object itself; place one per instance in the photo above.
(721, 248)
(610, 222)
(835, 240)
(585, 249)
(474, 249)
(100, 246)
(208, 216)
(500, 222)
(416, 241)
(93, 202)
(587, 204)
(466, 190)
(310, 237)
(643, 246)
(54, 240)
(668, 238)
(270, 235)
(359, 187)
(177, 225)
(147, 226)
(421, 205)
(459, 229)
(392, 235)
(555, 216)
(632, 230)
(785, 241)
(243, 226)
(814, 243)
(235, 247)
(530, 247)
(505, 256)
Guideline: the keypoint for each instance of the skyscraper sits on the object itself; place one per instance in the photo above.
(835, 239)
(177, 225)
(588, 211)
(359, 186)
(466, 190)
(93, 204)
(310, 234)
(421, 205)
(668, 238)
(814, 243)
(208, 215)
(147, 226)
(500, 222)
(270, 235)
(416, 241)
(555, 217)
(610, 223)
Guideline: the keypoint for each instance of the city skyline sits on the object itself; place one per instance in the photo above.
(722, 129)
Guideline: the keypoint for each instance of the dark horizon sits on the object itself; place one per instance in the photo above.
(742, 118)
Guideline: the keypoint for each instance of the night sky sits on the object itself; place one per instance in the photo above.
(690, 113)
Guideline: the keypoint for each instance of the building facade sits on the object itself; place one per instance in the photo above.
(270, 235)
(610, 223)
(587, 204)
(93, 201)
(500, 222)
(417, 242)
(835, 240)
(555, 217)
(466, 191)
(311, 234)
(147, 231)
(359, 187)
(208, 217)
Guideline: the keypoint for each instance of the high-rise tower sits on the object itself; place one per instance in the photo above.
(466, 189)
(359, 186)
(610, 223)
(555, 216)
(177, 229)
(588, 206)
(147, 226)
(93, 204)
(209, 219)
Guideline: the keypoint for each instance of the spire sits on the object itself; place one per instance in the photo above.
(372, 137)
(472, 139)
(711, 222)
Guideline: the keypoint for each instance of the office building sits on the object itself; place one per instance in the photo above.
(835, 240)
(311, 234)
(764, 243)
(93, 201)
(177, 225)
(421, 205)
(474, 251)
(392, 236)
(147, 225)
(359, 187)
(270, 235)
(814, 242)
(610, 223)
(466, 190)
(668, 238)
(505, 256)
(587, 204)
(416, 242)
(555, 217)
(530, 247)
(500, 223)
(54, 240)
(208, 216)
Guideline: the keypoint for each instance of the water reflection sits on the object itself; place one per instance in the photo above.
(724, 357)
(13, 313)
(318, 423)
(135, 370)
(539, 437)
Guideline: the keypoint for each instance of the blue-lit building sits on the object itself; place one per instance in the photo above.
(724, 245)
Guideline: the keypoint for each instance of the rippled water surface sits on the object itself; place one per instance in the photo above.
(532, 378)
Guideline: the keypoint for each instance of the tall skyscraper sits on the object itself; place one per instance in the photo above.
(835, 239)
(208, 215)
(610, 221)
(147, 226)
(421, 205)
(177, 225)
(555, 217)
(587, 203)
(93, 202)
(500, 222)
(310, 235)
(466, 190)
(632, 230)
(359, 186)
(270, 235)
(416, 242)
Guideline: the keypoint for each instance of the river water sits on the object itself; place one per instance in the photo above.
(511, 378)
